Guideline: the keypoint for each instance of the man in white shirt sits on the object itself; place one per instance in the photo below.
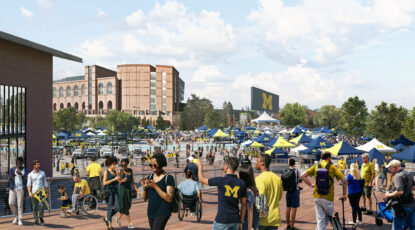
(36, 180)
(17, 175)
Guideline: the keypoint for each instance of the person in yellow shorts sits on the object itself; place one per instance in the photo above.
(341, 164)
(82, 186)
(368, 173)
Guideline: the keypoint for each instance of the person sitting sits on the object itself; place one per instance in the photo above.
(83, 187)
(192, 167)
(189, 190)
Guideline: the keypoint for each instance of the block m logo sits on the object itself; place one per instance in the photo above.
(322, 144)
(230, 190)
(267, 101)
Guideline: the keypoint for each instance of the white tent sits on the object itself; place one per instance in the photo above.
(90, 133)
(246, 142)
(101, 134)
(374, 143)
(298, 149)
(265, 118)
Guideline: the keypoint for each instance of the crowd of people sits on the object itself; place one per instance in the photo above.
(244, 201)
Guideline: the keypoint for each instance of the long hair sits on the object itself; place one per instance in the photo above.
(354, 171)
(246, 173)
(374, 161)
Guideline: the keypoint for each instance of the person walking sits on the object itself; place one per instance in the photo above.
(404, 213)
(354, 192)
(231, 192)
(270, 192)
(377, 173)
(94, 174)
(290, 181)
(323, 194)
(16, 179)
(158, 190)
(341, 164)
(368, 174)
(126, 184)
(251, 220)
(36, 181)
(110, 182)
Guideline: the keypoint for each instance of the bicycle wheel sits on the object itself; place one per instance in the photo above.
(90, 205)
(198, 211)
(181, 210)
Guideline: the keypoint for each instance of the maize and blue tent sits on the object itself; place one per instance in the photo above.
(276, 151)
(406, 155)
(264, 138)
(317, 143)
(310, 151)
(203, 128)
(280, 142)
(297, 130)
(342, 148)
(78, 135)
(212, 132)
(255, 144)
(301, 139)
(62, 135)
(402, 140)
(240, 134)
(374, 153)
(249, 128)
(400, 147)
(149, 127)
(325, 130)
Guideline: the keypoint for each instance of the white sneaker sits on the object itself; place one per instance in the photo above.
(131, 226)
(359, 222)
(20, 222)
(14, 221)
(351, 222)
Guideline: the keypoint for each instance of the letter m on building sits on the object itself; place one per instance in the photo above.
(230, 190)
(267, 101)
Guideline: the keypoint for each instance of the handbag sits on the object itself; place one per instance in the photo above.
(133, 194)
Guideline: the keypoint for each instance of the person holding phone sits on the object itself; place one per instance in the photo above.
(17, 176)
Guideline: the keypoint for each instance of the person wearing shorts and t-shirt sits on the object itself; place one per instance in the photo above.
(368, 174)
(231, 192)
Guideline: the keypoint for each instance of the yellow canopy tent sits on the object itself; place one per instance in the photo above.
(297, 139)
(282, 143)
(256, 145)
(257, 132)
(53, 136)
(220, 133)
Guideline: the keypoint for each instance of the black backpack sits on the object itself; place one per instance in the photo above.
(289, 180)
(176, 195)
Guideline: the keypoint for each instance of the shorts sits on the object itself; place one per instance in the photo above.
(367, 191)
(293, 199)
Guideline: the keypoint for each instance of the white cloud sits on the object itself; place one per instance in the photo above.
(321, 31)
(44, 3)
(207, 73)
(100, 13)
(95, 49)
(26, 12)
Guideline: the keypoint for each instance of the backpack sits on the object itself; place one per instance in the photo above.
(289, 180)
(176, 197)
(323, 179)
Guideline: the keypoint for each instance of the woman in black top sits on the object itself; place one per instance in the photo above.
(158, 189)
(110, 182)
(125, 188)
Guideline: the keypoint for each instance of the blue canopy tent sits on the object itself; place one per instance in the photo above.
(236, 129)
(325, 130)
(149, 127)
(62, 135)
(202, 128)
(212, 132)
(310, 151)
(303, 139)
(250, 128)
(264, 138)
(374, 153)
(78, 135)
(240, 134)
(367, 138)
(400, 147)
(271, 142)
(402, 140)
(317, 143)
(359, 158)
(343, 148)
(298, 130)
(406, 155)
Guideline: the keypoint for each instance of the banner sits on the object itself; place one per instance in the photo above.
(40, 195)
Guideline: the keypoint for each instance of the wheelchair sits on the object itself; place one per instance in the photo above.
(87, 204)
(187, 204)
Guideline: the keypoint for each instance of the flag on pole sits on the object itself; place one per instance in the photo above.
(40, 195)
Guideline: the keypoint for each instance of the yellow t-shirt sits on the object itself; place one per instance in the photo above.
(80, 185)
(94, 169)
(270, 185)
(366, 172)
(334, 172)
(341, 164)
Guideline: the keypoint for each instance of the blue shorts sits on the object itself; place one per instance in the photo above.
(293, 199)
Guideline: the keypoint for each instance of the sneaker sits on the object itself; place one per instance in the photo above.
(14, 221)
(117, 220)
(63, 214)
(362, 209)
(20, 222)
(37, 222)
(351, 222)
(131, 226)
(359, 222)
(41, 221)
(368, 213)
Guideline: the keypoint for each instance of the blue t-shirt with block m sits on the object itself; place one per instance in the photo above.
(230, 190)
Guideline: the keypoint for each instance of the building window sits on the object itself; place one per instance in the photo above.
(101, 105)
(61, 92)
(109, 88)
(100, 89)
(54, 107)
(76, 91)
(12, 127)
(164, 91)
(153, 108)
(61, 106)
(83, 89)
(68, 91)
(55, 92)
(76, 105)
(109, 105)
(83, 105)
(68, 105)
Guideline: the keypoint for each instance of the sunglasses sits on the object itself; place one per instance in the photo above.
(124, 165)
(153, 166)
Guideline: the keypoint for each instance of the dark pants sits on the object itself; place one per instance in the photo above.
(158, 223)
(268, 227)
(113, 205)
(94, 185)
(35, 205)
(354, 200)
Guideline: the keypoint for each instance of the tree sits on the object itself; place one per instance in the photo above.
(327, 116)
(66, 120)
(354, 116)
(160, 124)
(227, 113)
(408, 127)
(386, 122)
(214, 119)
(194, 112)
(293, 114)
(118, 121)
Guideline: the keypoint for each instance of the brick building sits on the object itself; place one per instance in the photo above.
(139, 89)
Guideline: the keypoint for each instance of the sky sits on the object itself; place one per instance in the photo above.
(315, 52)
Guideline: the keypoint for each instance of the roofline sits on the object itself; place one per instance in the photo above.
(39, 47)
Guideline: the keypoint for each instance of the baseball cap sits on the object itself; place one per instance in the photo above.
(393, 163)
(190, 158)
